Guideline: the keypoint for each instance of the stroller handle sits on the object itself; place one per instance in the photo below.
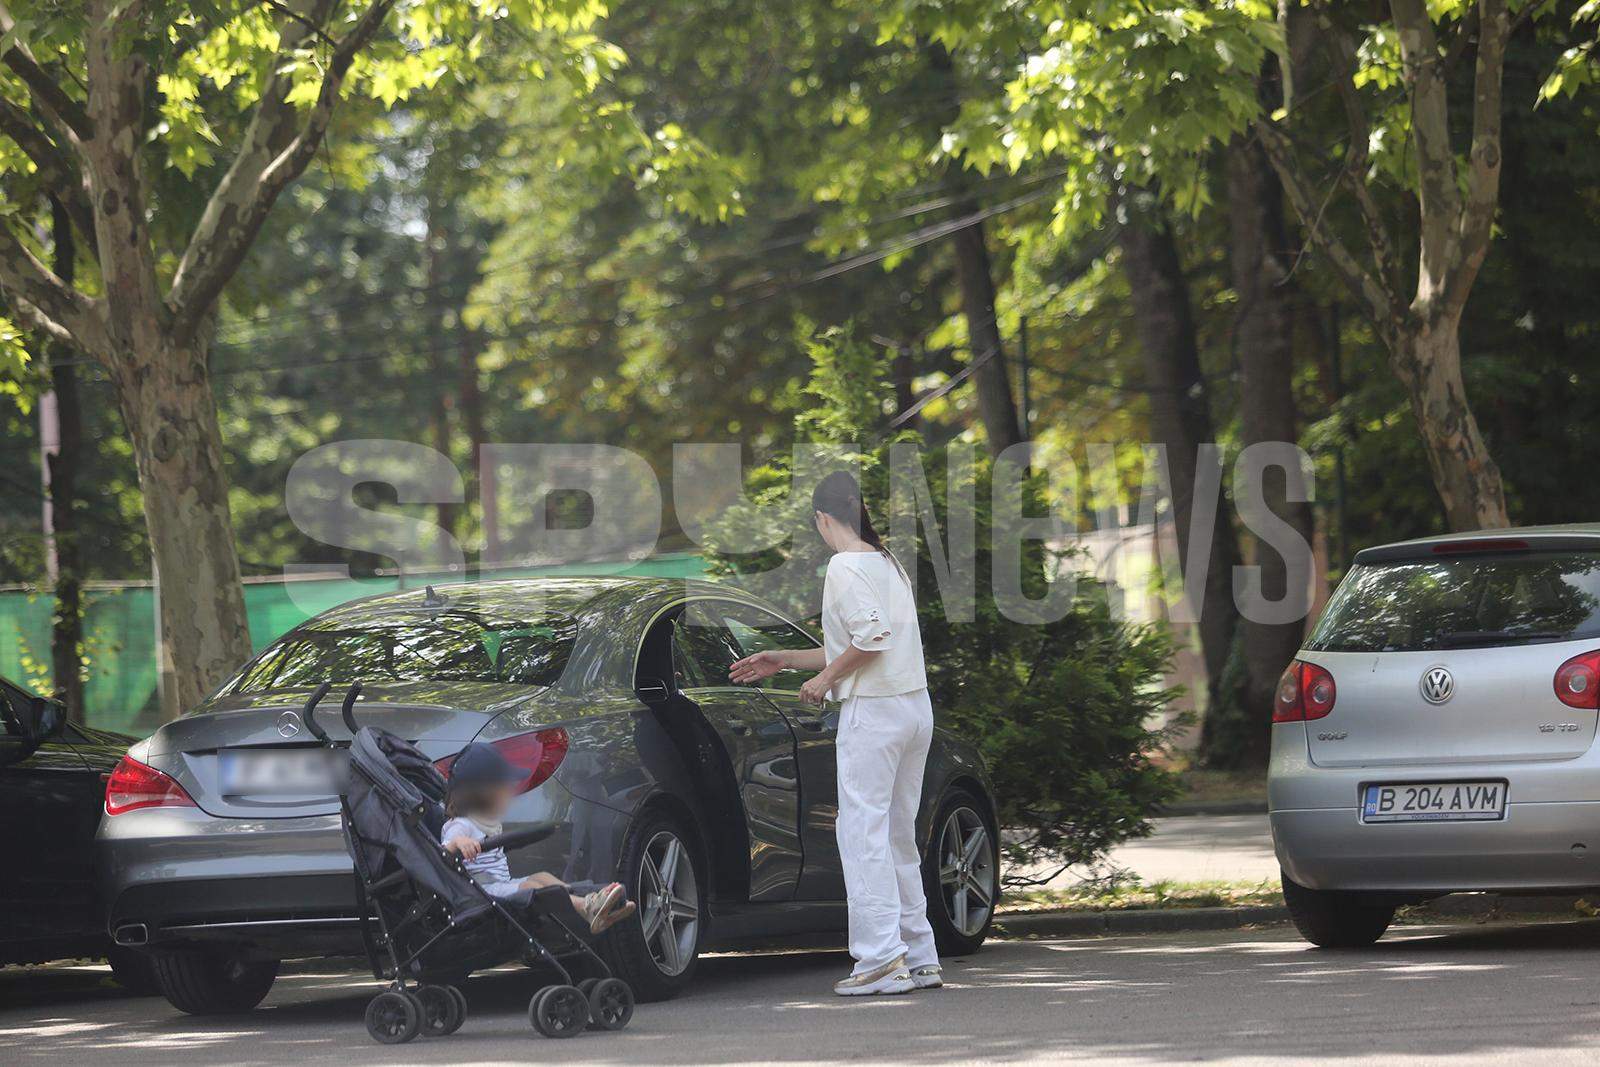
(518, 838)
(309, 712)
(345, 710)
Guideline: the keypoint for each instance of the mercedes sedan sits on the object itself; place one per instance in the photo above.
(1436, 733)
(220, 852)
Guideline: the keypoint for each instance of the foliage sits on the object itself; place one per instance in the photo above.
(1061, 711)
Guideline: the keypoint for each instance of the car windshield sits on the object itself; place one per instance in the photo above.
(1464, 601)
(439, 646)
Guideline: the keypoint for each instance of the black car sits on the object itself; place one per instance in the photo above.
(52, 791)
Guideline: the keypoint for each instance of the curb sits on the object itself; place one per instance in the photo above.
(1218, 807)
(1135, 921)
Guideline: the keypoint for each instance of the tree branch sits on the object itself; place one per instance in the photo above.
(1483, 161)
(48, 303)
(1377, 301)
(278, 146)
(50, 97)
(1437, 194)
(1342, 55)
(58, 171)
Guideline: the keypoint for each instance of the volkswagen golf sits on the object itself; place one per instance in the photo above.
(1436, 733)
(220, 851)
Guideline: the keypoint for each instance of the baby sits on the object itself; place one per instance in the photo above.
(482, 785)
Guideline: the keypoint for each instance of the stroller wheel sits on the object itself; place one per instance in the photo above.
(610, 1004)
(393, 1018)
(559, 1011)
(442, 1014)
(587, 986)
(460, 999)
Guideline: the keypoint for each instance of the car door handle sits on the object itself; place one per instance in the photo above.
(810, 722)
(740, 728)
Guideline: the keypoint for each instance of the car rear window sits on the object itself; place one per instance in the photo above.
(444, 646)
(1463, 601)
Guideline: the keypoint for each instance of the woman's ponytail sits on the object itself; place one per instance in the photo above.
(839, 495)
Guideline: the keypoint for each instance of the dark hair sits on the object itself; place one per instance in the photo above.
(464, 801)
(839, 495)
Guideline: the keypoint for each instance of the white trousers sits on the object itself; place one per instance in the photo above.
(883, 749)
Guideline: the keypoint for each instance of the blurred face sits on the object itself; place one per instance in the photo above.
(499, 800)
(829, 528)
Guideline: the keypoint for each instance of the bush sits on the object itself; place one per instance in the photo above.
(1060, 709)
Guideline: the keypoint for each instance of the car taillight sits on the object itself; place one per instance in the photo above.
(538, 753)
(1578, 681)
(1305, 691)
(135, 785)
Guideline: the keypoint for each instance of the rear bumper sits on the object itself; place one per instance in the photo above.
(177, 874)
(1549, 838)
(1535, 847)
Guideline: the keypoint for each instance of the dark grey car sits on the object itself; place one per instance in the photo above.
(221, 853)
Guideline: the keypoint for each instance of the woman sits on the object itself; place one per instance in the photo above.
(872, 662)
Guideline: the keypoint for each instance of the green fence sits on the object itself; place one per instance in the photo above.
(120, 632)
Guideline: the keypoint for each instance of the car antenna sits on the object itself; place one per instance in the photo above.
(430, 599)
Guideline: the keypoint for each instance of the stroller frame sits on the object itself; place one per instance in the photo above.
(395, 908)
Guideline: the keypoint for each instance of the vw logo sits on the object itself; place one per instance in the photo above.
(288, 724)
(1438, 685)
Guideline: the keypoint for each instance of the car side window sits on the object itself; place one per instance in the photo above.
(702, 651)
(755, 630)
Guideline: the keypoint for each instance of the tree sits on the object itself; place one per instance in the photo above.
(82, 91)
(1084, 688)
(1418, 322)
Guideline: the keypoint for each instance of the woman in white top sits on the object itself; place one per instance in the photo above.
(871, 660)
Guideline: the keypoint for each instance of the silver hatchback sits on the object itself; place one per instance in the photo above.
(1436, 733)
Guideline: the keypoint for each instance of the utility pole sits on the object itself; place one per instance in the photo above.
(1025, 417)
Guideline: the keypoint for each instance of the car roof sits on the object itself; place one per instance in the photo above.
(1566, 535)
(513, 596)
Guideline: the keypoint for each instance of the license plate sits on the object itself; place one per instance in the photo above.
(1434, 802)
(290, 772)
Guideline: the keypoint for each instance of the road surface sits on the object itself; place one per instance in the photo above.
(1434, 995)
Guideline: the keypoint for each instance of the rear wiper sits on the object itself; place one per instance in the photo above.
(1468, 638)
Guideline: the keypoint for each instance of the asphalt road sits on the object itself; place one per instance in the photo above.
(1435, 996)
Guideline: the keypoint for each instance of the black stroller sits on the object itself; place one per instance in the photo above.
(427, 924)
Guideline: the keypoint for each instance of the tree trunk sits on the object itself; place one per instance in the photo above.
(1264, 341)
(171, 417)
(975, 276)
(1427, 358)
(1180, 415)
(995, 406)
(66, 625)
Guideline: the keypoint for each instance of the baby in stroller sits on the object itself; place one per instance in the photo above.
(481, 787)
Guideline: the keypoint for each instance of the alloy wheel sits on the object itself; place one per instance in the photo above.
(669, 903)
(966, 870)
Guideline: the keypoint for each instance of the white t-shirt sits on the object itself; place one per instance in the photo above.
(867, 602)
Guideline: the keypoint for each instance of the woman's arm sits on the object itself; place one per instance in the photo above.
(766, 664)
(852, 659)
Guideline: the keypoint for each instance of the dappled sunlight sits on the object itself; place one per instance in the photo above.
(1252, 997)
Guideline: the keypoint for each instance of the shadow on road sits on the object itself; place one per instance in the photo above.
(1439, 993)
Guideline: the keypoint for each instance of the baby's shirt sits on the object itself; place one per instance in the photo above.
(490, 869)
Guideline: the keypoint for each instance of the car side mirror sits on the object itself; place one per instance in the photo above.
(653, 693)
(36, 719)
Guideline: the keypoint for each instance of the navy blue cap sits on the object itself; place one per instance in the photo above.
(481, 764)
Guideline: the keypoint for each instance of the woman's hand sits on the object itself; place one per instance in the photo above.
(465, 847)
(755, 668)
(815, 691)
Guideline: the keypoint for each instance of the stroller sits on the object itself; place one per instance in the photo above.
(427, 924)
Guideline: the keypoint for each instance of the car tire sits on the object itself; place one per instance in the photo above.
(961, 874)
(133, 970)
(1332, 919)
(637, 948)
(213, 982)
